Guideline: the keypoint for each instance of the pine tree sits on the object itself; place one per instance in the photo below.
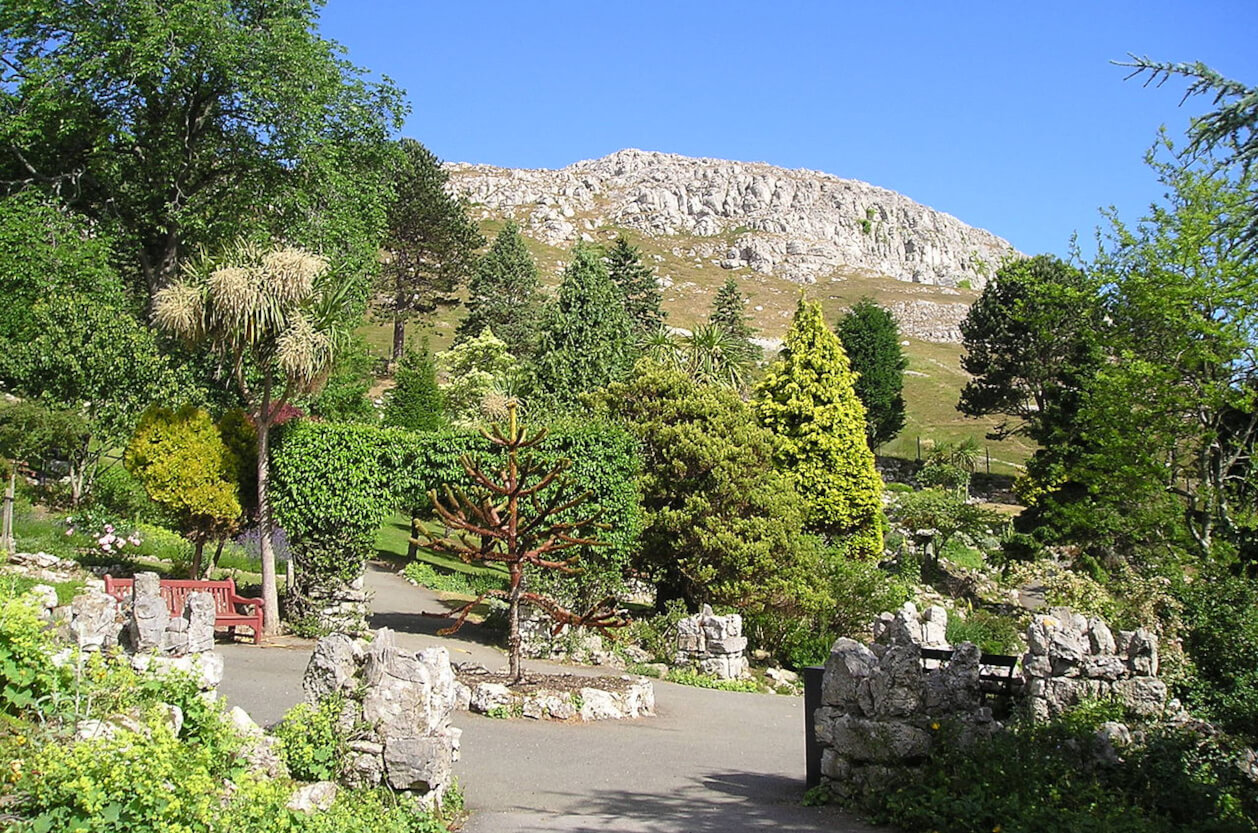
(431, 241)
(505, 295)
(587, 340)
(871, 339)
(808, 400)
(636, 283)
(727, 313)
(415, 402)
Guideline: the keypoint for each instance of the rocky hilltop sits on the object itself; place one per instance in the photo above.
(798, 225)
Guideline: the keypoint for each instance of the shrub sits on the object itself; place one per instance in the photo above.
(468, 584)
(1054, 776)
(310, 741)
(657, 635)
(123, 783)
(120, 494)
(991, 632)
(1221, 637)
(27, 675)
(684, 676)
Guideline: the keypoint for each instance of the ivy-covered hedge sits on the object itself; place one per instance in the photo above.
(332, 486)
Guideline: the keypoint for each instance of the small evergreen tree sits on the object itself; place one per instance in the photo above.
(415, 401)
(637, 286)
(728, 314)
(588, 338)
(505, 295)
(519, 516)
(186, 467)
(871, 339)
(808, 400)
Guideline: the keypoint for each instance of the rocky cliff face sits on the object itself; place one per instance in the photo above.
(798, 225)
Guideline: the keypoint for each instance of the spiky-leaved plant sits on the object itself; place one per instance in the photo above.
(268, 315)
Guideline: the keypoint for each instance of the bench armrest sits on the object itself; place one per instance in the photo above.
(242, 600)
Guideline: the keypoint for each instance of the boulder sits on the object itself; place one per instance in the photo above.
(313, 798)
(332, 667)
(849, 663)
(597, 704)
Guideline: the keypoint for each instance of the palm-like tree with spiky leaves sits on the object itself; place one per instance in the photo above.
(274, 321)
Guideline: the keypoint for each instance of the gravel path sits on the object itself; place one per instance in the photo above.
(708, 762)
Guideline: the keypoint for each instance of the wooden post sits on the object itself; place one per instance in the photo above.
(6, 534)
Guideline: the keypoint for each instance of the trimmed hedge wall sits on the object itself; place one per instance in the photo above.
(332, 486)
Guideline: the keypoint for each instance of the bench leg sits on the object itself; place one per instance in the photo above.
(257, 632)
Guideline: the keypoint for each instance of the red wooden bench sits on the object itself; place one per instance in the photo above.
(227, 602)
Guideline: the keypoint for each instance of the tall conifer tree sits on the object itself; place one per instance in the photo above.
(636, 283)
(728, 314)
(808, 400)
(871, 339)
(587, 340)
(505, 295)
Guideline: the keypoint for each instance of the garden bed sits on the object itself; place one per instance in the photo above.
(565, 697)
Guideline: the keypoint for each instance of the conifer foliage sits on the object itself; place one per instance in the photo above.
(587, 341)
(415, 402)
(808, 400)
(636, 283)
(728, 314)
(505, 295)
(871, 339)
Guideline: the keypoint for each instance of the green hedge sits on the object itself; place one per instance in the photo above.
(332, 486)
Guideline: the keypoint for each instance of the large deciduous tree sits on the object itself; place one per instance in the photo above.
(190, 122)
(871, 339)
(1031, 343)
(721, 525)
(637, 286)
(274, 319)
(431, 242)
(808, 401)
(1176, 407)
(505, 295)
(587, 340)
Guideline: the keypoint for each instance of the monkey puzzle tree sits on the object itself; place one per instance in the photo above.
(520, 516)
(269, 316)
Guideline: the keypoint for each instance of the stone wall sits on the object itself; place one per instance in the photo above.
(882, 707)
(143, 627)
(398, 706)
(1072, 658)
(333, 606)
(712, 644)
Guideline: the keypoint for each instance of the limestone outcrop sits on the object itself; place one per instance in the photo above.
(799, 225)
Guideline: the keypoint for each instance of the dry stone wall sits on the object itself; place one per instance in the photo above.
(882, 707)
(712, 644)
(398, 706)
(1072, 658)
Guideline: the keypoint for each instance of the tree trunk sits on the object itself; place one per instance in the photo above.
(270, 589)
(218, 553)
(399, 336)
(7, 542)
(514, 642)
(198, 548)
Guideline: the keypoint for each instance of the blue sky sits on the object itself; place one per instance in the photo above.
(1007, 115)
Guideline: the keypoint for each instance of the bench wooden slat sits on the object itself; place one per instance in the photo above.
(175, 593)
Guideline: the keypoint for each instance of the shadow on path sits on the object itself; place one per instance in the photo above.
(720, 802)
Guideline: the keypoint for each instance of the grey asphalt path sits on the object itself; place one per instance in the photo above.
(708, 762)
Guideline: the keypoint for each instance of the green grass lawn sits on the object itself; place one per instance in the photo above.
(392, 544)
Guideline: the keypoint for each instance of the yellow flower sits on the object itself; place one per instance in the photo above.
(996, 829)
(935, 726)
(20, 740)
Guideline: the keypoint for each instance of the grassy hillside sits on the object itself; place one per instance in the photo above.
(934, 377)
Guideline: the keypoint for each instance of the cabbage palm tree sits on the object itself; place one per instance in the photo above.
(715, 357)
(267, 315)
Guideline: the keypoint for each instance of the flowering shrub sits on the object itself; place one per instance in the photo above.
(101, 533)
